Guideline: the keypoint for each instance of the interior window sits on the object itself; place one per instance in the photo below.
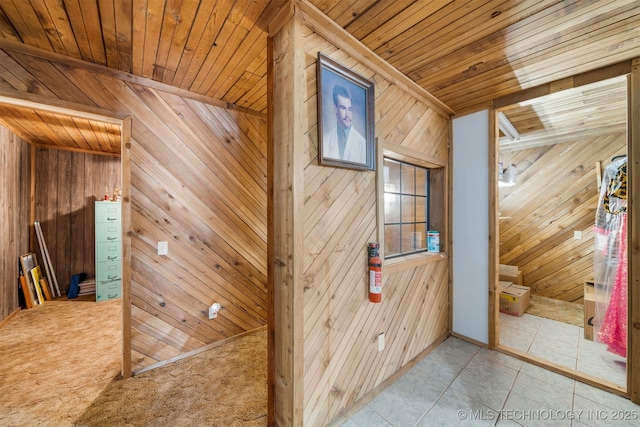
(406, 208)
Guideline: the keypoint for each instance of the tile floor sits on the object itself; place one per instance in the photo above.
(563, 344)
(461, 384)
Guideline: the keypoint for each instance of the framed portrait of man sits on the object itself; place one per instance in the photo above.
(346, 120)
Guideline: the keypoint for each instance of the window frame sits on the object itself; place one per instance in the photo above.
(401, 194)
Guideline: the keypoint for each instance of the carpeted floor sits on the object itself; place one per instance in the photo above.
(60, 365)
(563, 311)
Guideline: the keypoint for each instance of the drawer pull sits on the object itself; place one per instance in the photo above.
(112, 277)
(111, 238)
(111, 219)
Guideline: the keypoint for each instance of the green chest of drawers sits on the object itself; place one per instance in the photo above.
(108, 230)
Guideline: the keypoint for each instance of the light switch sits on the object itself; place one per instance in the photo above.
(163, 248)
(577, 235)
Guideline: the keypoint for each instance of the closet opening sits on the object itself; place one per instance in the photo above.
(69, 154)
(560, 258)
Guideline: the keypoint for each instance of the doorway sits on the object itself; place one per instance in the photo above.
(78, 146)
(553, 160)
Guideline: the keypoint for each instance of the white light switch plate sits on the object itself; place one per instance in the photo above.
(577, 235)
(381, 341)
(163, 248)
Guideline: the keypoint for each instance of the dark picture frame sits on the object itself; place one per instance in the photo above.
(346, 119)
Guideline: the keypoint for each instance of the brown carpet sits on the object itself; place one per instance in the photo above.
(60, 365)
(563, 311)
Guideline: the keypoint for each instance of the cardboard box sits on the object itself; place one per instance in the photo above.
(589, 310)
(510, 273)
(514, 299)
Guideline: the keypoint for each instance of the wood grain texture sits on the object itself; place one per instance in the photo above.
(15, 171)
(67, 184)
(556, 194)
(198, 180)
(341, 362)
(463, 53)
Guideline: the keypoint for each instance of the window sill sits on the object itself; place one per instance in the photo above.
(412, 261)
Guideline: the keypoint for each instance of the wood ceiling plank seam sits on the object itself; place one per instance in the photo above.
(19, 124)
(218, 48)
(25, 21)
(139, 19)
(487, 54)
(370, 15)
(123, 11)
(74, 13)
(90, 27)
(85, 130)
(239, 37)
(344, 12)
(202, 37)
(443, 20)
(154, 16)
(327, 30)
(241, 87)
(567, 50)
(170, 20)
(185, 19)
(66, 135)
(99, 133)
(237, 64)
(48, 26)
(7, 30)
(501, 88)
(62, 26)
(403, 21)
(458, 35)
(488, 51)
(108, 25)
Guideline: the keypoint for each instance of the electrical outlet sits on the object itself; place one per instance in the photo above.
(381, 341)
(577, 235)
(163, 248)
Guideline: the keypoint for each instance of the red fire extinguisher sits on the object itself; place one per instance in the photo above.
(375, 274)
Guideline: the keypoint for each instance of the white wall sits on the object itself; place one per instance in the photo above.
(471, 226)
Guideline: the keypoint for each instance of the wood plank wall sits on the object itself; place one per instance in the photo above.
(67, 184)
(198, 181)
(341, 360)
(556, 194)
(15, 172)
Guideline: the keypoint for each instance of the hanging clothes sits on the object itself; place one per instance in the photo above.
(613, 331)
(610, 267)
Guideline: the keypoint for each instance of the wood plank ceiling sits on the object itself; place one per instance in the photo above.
(465, 52)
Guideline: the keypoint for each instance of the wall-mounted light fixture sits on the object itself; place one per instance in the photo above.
(507, 128)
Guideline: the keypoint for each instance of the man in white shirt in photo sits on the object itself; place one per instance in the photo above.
(344, 142)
